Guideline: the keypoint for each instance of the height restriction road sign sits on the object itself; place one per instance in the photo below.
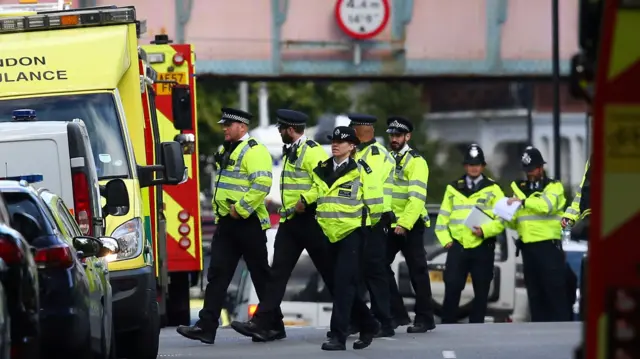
(362, 19)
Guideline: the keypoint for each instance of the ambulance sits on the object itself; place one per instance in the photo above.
(175, 96)
(85, 63)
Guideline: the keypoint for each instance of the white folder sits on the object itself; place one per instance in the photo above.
(476, 218)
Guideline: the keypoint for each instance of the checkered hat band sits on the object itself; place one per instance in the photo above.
(399, 125)
(287, 123)
(232, 117)
(356, 123)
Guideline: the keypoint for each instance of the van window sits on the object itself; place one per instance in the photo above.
(100, 115)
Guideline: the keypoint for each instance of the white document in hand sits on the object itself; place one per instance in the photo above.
(476, 218)
(504, 210)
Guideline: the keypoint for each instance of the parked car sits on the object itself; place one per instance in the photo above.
(75, 295)
(5, 318)
(20, 281)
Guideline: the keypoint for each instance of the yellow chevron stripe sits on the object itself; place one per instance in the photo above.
(172, 210)
(625, 50)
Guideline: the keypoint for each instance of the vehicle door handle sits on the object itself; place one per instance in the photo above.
(327, 309)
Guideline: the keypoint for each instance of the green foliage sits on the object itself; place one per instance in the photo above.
(405, 99)
(312, 98)
(213, 94)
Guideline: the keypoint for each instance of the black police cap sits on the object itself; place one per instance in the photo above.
(234, 115)
(399, 124)
(474, 155)
(291, 118)
(358, 119)
(344, 133)
(532, 159)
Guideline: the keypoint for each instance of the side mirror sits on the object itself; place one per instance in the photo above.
(26, 225)
(175, 171)
(87, 246)
(117, 196)
(181, 105)
(109, 246)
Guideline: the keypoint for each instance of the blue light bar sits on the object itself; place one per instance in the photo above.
(27, 178)
(24, 115)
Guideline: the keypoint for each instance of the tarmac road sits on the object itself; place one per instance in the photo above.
(462, 341)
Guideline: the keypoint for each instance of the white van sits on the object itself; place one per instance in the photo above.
(58, 156)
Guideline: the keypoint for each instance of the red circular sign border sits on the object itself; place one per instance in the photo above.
(358, 36)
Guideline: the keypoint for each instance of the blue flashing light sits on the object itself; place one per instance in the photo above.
(26, 178)
(24, 115)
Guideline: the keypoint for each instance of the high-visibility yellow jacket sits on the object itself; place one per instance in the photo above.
(381, 178)
(456, 205)
(341, 207)
(244, 179)
(573, 211)
(296, 175)
(409, 187)
(538, 219)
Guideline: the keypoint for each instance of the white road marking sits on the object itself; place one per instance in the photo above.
(385, 338)
(448, 354)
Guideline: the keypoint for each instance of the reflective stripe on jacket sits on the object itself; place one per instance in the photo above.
(458, 202)
(539, 218)
(380, 178)
(409, 196)
(296, 176)
(573, 211)
(245, 180)
(340, 202)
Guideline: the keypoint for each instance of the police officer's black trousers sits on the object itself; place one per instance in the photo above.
(412, 248)
(346, 257)
(544, 272)
(234, 238)
(460, 263)
(295, 235)
(375, 273)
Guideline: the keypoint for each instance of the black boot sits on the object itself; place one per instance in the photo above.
(421, 328)
(252, 330)
(386, 332)
(334, 344)
(197, 333)
(367, 335)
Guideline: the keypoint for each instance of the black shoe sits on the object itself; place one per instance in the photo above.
(197, 333)
(278, 334)
(421, 328)
(367, 334)
(333, 345)
(385, 332)
(401, 322)
(252, 330)
(352, 330)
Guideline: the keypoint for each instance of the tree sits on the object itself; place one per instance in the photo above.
(213, 94)
(405, 99)
(312, 98)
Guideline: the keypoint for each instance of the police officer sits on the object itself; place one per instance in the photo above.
(243, 181)
(537, 221)
(381, 177)
(573, 212)
(341, 191)
(409, 197)
(298, 228)
(469, 251)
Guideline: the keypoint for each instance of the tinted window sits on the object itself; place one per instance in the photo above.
(67, 222)
(24, 203)
(98, 111)
(303, 284)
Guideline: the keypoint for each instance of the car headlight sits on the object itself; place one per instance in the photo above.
(129, 236)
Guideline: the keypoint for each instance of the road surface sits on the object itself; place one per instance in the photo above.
(463, 341)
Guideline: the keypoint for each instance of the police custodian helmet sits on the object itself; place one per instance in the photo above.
(474, 155)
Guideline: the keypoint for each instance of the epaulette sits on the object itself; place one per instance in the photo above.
(375, 151)
(311, 143)
(459, 184)
(323, 163)
(522, 183)
(252, 143)
(415, 153)
(365, 166)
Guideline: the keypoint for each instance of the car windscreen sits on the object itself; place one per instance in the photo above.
(100, 115)
(18, 202)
